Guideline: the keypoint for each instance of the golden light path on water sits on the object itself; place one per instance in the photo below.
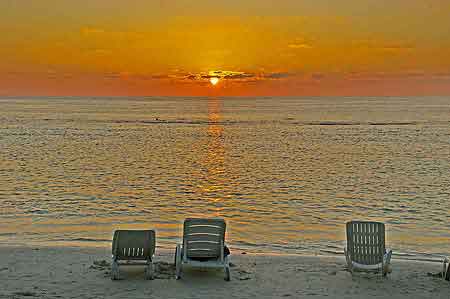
(215, 155)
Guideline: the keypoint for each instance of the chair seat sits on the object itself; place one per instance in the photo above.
(366, 267)
(374, 267)
(213, 263)
(134, 258)
(125, 262)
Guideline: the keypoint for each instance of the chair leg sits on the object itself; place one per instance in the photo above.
(386, 269)
(446, 269)
(178, 262)
(227, 273)
(349, 261)
(387, 262)
(149, 271)
(114, 270)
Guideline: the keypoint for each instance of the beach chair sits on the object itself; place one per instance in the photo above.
(133, 247)
(446, 269)
(365, 249)
(203, 246)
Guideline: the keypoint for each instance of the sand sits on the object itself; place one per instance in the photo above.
(84, 273)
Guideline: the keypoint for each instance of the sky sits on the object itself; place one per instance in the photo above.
(253, 47)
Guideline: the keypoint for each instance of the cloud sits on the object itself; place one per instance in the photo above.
(300, 46)
(399, 75)
(387, 46)
(397, 48)
(87, 31)
(277, 75)
(111, 75)
(300, 43)
(101, 52)
(49, 74)
(221, 74)
(241, 76)
(95, 33)
(317, 76)
(179, 76)
(160, 76)
(442, 75)
(12, 74)
(227, 75)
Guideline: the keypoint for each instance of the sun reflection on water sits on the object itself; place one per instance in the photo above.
(214, 160)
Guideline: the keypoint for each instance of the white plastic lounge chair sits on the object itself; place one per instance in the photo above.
(133, 247)
(446, 269)
(366, 247)
(203, 246)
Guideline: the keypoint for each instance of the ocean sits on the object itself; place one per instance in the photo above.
(285, 173)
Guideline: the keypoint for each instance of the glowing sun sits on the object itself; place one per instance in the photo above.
(214, 80)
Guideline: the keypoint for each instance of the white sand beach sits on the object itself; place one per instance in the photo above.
(84, 273)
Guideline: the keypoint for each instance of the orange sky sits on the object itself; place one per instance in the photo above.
(255, 47)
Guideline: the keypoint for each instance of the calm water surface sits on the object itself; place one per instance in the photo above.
(286, 173)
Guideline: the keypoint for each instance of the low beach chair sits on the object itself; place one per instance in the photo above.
(446, 269)
(366, 247)
(134, 247)
(203, 246)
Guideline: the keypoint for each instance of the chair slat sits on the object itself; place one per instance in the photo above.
(211, 229)
(203, 237)
(203, 249)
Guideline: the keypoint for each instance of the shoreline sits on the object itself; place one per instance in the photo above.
(83, 272)
(418, 257)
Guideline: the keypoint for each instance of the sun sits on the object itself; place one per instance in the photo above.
(214, 80)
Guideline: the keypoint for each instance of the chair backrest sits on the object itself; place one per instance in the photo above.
(134, 244)
(366, 242)
(203, 238)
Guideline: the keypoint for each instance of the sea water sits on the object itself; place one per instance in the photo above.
(285, 173)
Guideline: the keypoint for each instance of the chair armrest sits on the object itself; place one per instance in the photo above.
(387, 256)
